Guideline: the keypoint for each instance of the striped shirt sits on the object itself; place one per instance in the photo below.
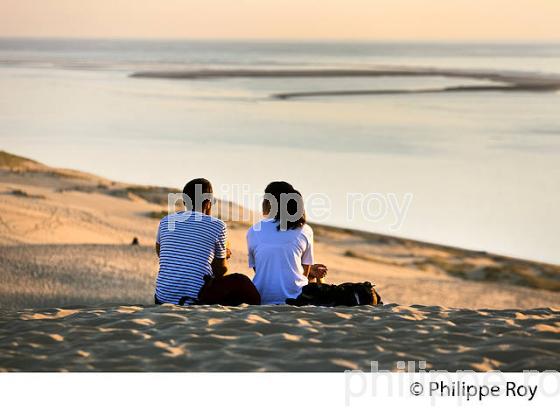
(189, 242)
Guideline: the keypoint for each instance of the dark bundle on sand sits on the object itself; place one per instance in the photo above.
(346, 294)
(230, 290)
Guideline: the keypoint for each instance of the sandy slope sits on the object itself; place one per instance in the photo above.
(65, 240)
(42, 206)
(60, 275)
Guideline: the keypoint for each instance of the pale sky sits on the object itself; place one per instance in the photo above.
(476, 20)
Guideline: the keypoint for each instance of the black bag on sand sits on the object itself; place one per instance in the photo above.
(229, 290)
(345, 294)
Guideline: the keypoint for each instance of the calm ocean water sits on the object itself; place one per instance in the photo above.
(483, 168)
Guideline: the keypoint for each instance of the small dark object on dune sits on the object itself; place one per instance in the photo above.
(24, 194)
(135, 241)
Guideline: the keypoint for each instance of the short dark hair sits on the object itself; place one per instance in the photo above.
(280, 191)
(196, 192)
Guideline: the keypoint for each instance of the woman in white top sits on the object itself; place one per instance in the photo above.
(281, 246)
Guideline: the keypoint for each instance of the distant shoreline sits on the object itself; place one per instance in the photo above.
(348, 93)
(514, 81)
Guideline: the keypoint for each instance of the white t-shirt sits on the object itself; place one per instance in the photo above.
(277, 257)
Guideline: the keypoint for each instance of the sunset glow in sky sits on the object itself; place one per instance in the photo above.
(284, 19)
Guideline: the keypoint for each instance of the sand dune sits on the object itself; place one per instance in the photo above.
(71, 209)
(277, 338)
(65, 241)
(36, 276)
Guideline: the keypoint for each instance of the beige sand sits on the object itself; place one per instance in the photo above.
(277, 338)
(65, 240)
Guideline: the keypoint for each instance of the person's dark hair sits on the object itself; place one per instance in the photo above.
(288, 203)
(196, 192)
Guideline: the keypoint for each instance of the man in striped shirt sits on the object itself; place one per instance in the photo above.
(191, 245)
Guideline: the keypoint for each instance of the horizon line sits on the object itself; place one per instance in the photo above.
(293, 39)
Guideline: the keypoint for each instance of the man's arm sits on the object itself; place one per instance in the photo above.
(219, 267)
(158, 238)
(221, 254)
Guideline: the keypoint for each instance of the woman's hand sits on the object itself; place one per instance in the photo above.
(317, 271)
